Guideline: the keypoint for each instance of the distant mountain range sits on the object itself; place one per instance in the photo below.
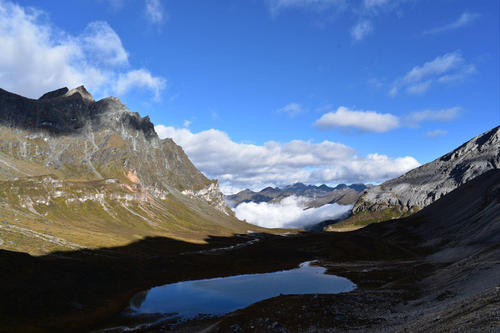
(75, 172)
(319, 195)
(424, 185)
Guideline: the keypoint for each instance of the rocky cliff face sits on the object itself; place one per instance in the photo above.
(66, 159)
(424, 185)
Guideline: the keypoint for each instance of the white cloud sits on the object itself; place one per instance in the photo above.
(416, 88)
(361, 30)
(186, 123)
(139, 78)
(37, 57)
(242, 165)
(154, 11)
(436, 133)
(292, 109)
(460, 22)
(374, 166)
(438, 66)
(448, 68)
(288, 213)
(363, 121)
(103, 42)
(443, 115)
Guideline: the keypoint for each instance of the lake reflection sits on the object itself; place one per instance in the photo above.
(222, 295)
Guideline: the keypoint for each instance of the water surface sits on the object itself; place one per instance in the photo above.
(223, 295)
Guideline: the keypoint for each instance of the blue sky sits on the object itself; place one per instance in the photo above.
(271, 92)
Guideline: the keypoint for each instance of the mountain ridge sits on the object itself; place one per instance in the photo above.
(93, 173)
(318, 195)
(420, 187)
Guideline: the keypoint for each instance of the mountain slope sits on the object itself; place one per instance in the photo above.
(424, 185)
(75, 172)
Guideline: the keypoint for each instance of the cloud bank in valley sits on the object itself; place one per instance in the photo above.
(288, 213)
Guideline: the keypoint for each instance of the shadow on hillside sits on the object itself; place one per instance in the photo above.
(69, 290)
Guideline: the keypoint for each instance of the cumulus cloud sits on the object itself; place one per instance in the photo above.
(154, 11)
(373, 166)
(460, 22)
(290, 212)
(443, 115)
(242, 165)
(448, 68)
(363, 121)
(361, 30)
(37, 57)
(292, 109)
(102, 42)
(436, 133)
(139, 78)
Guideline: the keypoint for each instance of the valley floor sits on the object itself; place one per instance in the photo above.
(398, 290)
(435, 271)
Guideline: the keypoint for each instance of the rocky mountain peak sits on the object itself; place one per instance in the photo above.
(55, 93)
(65, 92)
(82, 92)
(65, 111)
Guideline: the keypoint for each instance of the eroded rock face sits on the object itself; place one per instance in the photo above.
(109, 167)
(422, 186)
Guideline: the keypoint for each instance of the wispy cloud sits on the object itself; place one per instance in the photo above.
(242, 165)
(292, 109)
(37, 57)
(361, 30)
(276, 6)
(442, 115)
(362, 12)
(460, 22)
(436, 133)
(154, 11)
(448, 68)
(361, 121)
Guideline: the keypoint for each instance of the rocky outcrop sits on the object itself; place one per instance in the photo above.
(108, 165)
(424, 185)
